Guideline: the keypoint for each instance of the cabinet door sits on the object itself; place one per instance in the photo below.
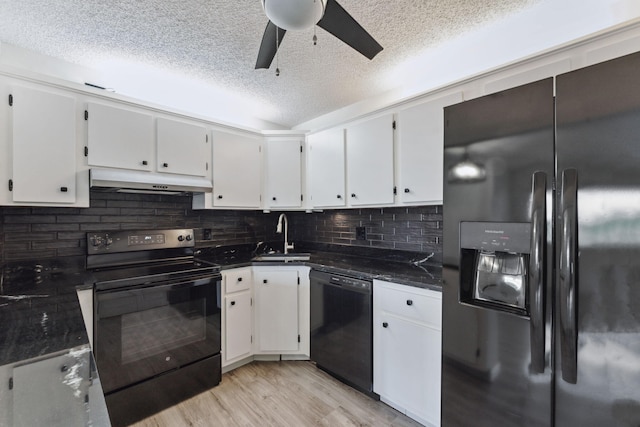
(238, 325)
(284, 188)
(407, 328)
(276, 293)
(237, 170)
(326, 163)
(183, 148)
(44, 146)
(409, 354)
(420, 150)
(370, 162)
(53, 391)
(120, 138)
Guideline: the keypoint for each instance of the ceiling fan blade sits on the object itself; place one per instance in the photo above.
(338, 22)
(268, 46)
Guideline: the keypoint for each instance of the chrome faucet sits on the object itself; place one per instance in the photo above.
(281, 219)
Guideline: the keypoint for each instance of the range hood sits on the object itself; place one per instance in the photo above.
(127, 181)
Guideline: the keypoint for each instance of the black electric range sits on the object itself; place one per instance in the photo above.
(156, 320)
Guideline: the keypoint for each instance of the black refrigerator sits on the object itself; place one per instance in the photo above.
(541, 293)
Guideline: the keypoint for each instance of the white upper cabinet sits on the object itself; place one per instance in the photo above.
(283, 173)
(326, 168)
(419, 150)
(183, 148)
(44, 147)
(120, 138)
(124, 138)
(370, 162)
(237, 170)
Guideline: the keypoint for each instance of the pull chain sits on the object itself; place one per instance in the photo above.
(315, 39)
(277, 44)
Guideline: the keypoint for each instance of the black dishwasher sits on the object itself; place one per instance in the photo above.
(342, 328)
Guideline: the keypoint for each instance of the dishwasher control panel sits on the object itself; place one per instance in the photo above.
(340, 280)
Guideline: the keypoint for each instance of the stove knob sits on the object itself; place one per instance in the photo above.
(188, 237)
(96, 240)
(108, 241)
(180, 238)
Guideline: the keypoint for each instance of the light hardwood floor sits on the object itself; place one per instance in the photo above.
(291, 393)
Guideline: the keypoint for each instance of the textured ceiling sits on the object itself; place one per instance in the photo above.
(216, 42)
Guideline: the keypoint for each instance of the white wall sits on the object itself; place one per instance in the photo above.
(152, 86)
(548, 26)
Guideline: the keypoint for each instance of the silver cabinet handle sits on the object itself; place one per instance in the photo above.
(567, 276)
(537, 271)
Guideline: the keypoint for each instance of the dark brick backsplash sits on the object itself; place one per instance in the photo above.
(415, 229)
(33, 233)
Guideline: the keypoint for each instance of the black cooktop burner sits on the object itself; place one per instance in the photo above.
(147, 257)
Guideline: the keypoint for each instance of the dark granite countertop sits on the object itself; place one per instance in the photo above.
(409, 269)
(42, 326)
(41, 306)
(41, 317)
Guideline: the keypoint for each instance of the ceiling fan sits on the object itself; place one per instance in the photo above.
(287, 15)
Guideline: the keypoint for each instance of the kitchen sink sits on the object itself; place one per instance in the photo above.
(280, 257)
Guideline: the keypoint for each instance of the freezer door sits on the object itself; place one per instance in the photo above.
(499, 164)
(598, 233)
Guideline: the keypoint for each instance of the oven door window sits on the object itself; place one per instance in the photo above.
(147, 331)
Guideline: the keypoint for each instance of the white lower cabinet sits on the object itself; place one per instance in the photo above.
(237, 315)
(407, 349)
(265, 312)
(239, 330)
(277, 317)
(52, 390)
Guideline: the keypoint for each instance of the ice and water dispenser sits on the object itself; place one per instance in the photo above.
(493, 265)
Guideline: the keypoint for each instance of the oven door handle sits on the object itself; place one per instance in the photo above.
(118, 301)
(114, 287)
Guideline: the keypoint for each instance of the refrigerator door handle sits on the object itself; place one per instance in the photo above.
(537, 271)
(568, 276)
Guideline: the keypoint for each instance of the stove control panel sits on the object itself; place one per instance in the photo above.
(148, 239)
(131, 241)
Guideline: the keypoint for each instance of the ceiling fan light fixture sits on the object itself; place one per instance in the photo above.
(467, 171)
(294, 14)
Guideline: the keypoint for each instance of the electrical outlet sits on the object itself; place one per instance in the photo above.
(361, 233)
(206, 234)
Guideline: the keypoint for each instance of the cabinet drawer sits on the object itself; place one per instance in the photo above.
(411, 303)
(237, 280)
